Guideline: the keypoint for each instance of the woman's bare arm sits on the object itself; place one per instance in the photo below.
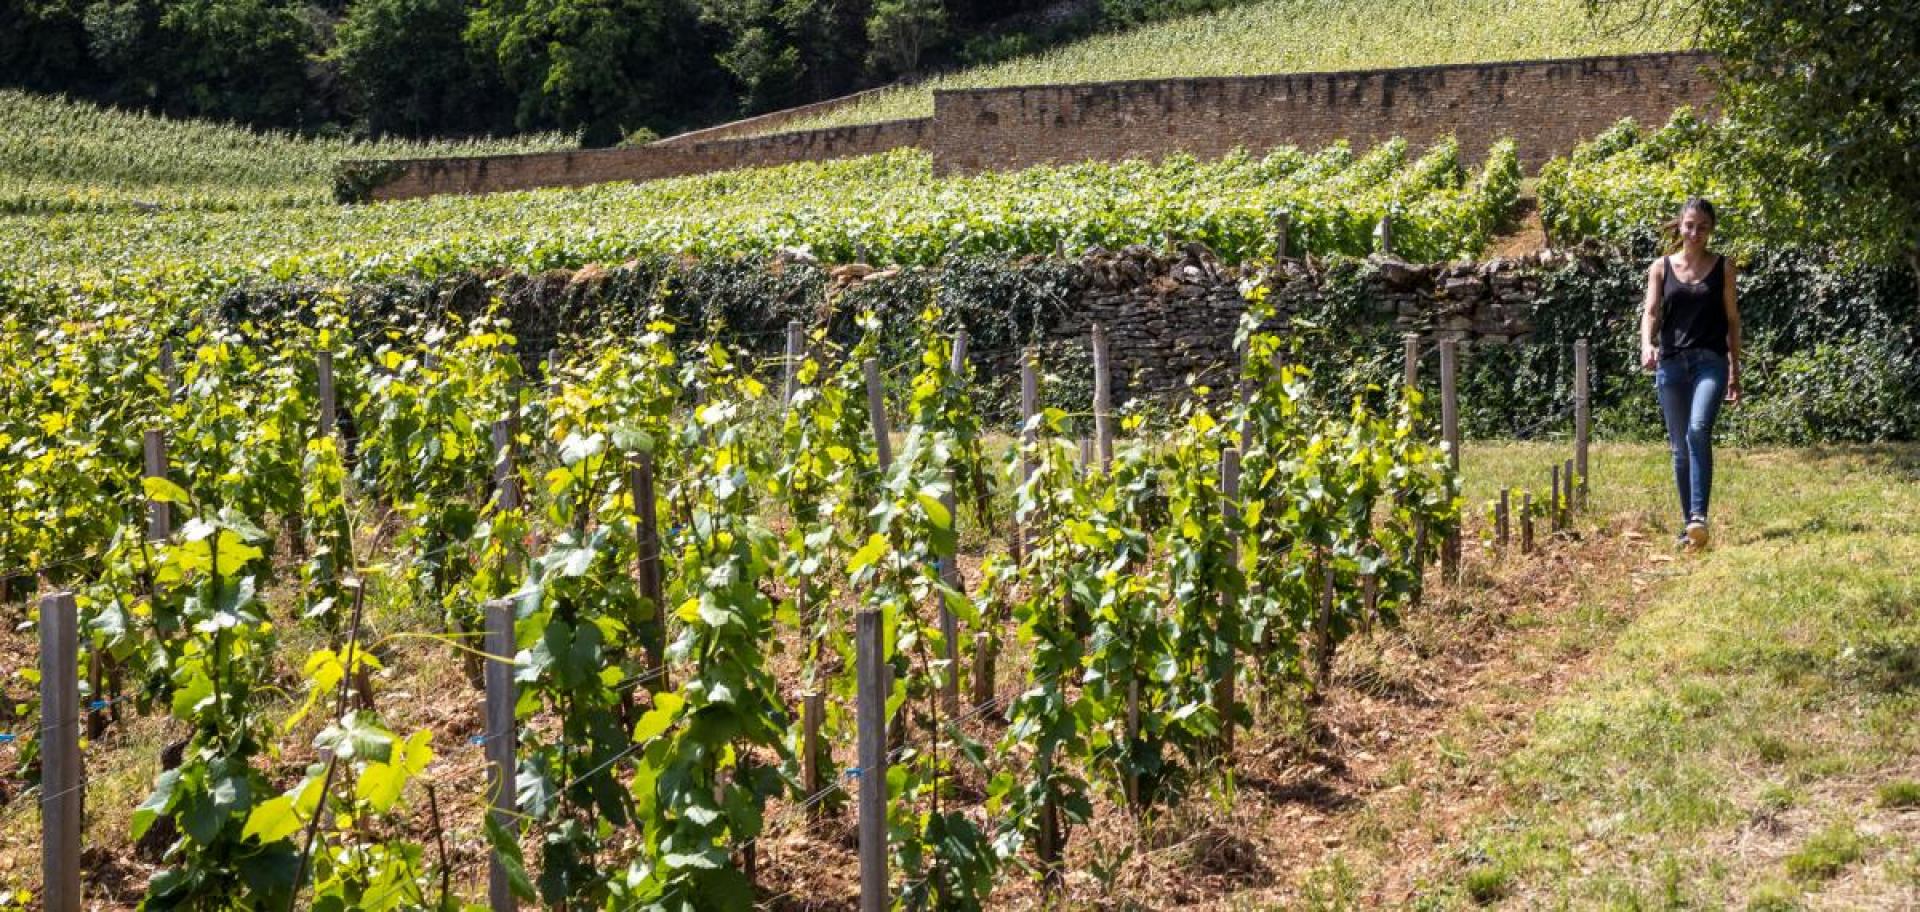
(1650, 320)
(1732, 304)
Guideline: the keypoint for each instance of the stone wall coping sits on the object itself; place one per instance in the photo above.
(1175, 81)
(728, 129)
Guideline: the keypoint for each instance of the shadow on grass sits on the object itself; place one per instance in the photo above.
(1900, 459)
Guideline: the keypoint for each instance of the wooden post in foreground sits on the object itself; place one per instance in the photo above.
(1500, 526)
(329, 414)
(877, 415)
(871, 688)
(796, 346)
(506, 481)
(1102, 398)
(1566, 506)
(813, 709)
(1323, 630)
(169, 373)
(949, 624)
(501, 740)
(159, 514)
(981, 676)
(1223, 693)
(1553, 506)
(1526, 522)
(647, 569)
(1450, 428)
(62, 795)
(1410, 369)
(1029, 407)
(1582, 415)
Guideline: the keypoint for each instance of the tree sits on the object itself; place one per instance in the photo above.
(604, 67)
(1824, 100)
(43, 45)
(409, 70)
(242, 60)
(899, 31)
(759, 52)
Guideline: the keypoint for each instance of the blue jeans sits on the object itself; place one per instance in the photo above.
(1692, 383)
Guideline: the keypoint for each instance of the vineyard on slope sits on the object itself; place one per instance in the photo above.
(658, 742)
(66, 156)
(1294, 36)
(881, 209)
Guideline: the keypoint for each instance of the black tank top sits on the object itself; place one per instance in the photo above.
(1693, 314)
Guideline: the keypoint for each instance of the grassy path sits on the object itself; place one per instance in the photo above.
(1747, 733)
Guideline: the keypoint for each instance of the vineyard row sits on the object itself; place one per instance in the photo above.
(634, 712)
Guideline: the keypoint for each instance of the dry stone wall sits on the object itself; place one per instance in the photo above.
(1547, 107)
(1171, 317)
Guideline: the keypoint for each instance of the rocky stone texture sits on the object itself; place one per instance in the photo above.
(1546, 106)
(1171, 317)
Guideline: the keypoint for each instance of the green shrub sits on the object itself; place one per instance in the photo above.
(1902, 794)
(1827, 852)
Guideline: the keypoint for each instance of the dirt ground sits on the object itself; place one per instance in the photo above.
(1387, 761)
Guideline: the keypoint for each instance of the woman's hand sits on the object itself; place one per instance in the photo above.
(1733, 389)
(1649, 356)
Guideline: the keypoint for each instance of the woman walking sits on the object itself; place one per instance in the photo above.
(1690, 339)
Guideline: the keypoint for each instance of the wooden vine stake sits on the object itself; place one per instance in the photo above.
(1223, 692)
(1582, 415)
(1501, 528)
(62, 804)
(871, 710)
(1566, 504)
(1029, 407)
(1369, 599)
(1553, 506)
(329, 403)
(949, 623)
(877, 415)
(159, 514)
(501, 741)
(813, 711)
(506, 481)
(796, 348)
(981, 676)
(982, 497)
(1450, 428)
(1282, 227)
(1526, 522)
(1102, 398)
(1410, 358)
(1323, 630)
(168, 371)
(1384, 232)
(646, 569)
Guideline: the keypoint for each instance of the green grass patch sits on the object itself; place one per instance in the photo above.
(1827, 853)
(1902, 794)
(1761, 681)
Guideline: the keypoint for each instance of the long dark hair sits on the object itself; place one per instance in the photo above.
(1671, 230)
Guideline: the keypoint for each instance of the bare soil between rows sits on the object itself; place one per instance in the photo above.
(1394, 761)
